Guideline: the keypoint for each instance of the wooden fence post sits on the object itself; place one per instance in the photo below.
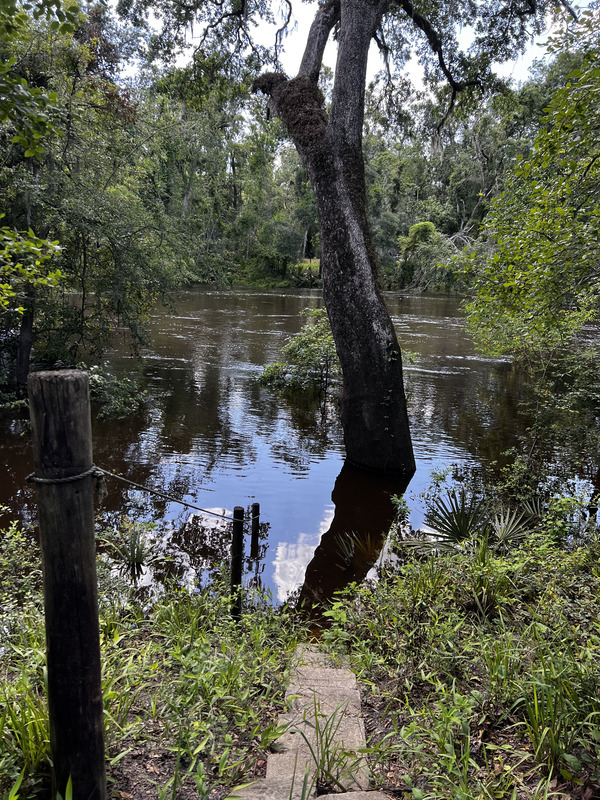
(237, 558)
(255, 529)
(62, 449)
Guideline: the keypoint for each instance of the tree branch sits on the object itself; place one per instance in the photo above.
(436, 45)
(326, 17)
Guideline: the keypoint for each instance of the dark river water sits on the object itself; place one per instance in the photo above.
(213, 437)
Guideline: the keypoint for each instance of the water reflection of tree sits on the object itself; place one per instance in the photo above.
(477, 409)
(197, 419)
(363, 515)
(195, 552)
(198, 424)
(305, 433)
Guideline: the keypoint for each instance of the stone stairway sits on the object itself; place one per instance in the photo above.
(323, 738)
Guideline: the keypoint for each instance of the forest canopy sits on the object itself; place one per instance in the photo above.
(123, 178)
(538, 282)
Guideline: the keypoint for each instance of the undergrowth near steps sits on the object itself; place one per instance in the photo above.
(191, 698)
(479, 660)
(480, 671)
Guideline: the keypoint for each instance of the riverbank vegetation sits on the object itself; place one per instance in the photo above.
(533, 273)
(191, 698)
(477, 648)
(478, 654)
(310, 362)
(479, 668)
(123, 179)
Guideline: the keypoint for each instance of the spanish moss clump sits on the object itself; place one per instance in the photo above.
(299, 103)
(267, 82)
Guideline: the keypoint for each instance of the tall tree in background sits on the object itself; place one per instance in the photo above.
(373, 406)
(540, 281)
(79, 189)
(535, 272)
(24, 124)
(117, 179)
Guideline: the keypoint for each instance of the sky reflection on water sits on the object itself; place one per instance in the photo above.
(214, 437)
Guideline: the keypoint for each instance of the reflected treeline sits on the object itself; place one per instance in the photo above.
(213, 435)
(187, 440)
(209, 406)
(194, 554)
(202, 545)
(209, 414)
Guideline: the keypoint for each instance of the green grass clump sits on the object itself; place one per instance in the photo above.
(481, 670)
(191, 698)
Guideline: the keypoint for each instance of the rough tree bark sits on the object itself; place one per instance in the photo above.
(373, 403)
(25, 339)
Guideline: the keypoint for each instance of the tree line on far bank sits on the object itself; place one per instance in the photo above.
(117, 190)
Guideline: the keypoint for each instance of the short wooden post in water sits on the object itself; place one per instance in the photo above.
(62, 449)
(237, 557)
(255, 529)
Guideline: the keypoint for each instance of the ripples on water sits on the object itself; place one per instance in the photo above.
(215, 438)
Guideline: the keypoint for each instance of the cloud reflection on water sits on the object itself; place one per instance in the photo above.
(292, 558)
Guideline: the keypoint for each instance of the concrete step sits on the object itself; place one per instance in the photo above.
(324, 734)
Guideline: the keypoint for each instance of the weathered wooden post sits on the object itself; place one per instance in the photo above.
(237, 557)
(254, 530)
(62, 454)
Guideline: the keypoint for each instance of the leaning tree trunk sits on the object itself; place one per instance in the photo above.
(373, 404)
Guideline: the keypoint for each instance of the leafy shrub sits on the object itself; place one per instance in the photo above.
(20, 566)
(115, 397)
(310, 360)
(422, 255)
